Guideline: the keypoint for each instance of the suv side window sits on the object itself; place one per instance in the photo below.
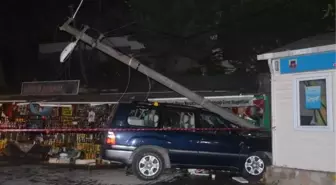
(209, 120)
(143, 117)
(178, 119)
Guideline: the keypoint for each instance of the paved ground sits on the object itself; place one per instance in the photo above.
(51, 175)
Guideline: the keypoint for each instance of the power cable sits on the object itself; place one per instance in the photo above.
(66, 69)
(149, 88)
(149, 82)
(129, 79)
(79, 6)
(129, 64)
(69, 70)
(59, 69)
(121, 27)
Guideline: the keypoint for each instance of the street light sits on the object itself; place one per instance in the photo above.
(71, 46)
(68, 50)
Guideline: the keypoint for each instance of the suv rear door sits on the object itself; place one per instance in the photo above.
(180, 125)
(217, 147)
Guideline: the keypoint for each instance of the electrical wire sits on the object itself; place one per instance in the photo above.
(69, 70)
(129, 79)
(79, 6)
(110, 42)
(149, 82)
(63, 69)
(129, 63)
(58, 69)
(149, 88)
(121, 27)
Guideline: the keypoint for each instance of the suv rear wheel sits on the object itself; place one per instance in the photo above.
(147, 164)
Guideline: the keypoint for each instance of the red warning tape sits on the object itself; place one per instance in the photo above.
(126, 129)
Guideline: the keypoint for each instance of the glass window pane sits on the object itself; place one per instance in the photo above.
(178, 119)
(143, 117)
(313, 102)
(214, 121)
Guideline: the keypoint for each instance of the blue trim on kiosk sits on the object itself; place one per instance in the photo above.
(305, 63)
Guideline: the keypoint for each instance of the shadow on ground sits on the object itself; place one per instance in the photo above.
(16, 173)
(221, 179)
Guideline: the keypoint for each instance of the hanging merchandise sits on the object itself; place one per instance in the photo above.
(87, 143)
(73, 145)
(4, 123)
(8, 109)
(22, 110)
(67, 145)
(66, 118)
(35, 122)
(3, 143)
(45, 111)
(91, 116)
(81, 116)
(53, 121)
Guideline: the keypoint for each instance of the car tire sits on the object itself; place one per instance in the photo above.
(255, 166)
(148, 164)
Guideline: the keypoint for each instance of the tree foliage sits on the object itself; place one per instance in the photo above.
(238, 30)
(181, 18)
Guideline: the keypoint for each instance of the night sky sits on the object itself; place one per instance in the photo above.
(19, 38)
(25, 24)
(23, 27)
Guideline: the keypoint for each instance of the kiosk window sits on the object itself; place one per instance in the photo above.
(313, 99)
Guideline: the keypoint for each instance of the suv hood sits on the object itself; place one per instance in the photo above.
(256, 134)
(259, 140)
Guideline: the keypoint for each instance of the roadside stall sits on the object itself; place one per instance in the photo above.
(33, 128)
(51, 122)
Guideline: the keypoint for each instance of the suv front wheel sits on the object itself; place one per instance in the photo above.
(255, 166)
(147, 164)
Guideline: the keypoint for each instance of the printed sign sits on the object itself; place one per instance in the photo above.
(313, 97)
(222, 102)
(91, 116)
(66, 111)
(67, 87)
(305, 63)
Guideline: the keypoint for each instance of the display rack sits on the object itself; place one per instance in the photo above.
(21, 119)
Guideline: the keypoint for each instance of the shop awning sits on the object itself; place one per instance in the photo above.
(108, 97)
(320, 43)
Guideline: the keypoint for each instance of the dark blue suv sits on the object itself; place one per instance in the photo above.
(151, 137)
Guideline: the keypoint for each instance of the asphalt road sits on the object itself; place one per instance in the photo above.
(52, 175)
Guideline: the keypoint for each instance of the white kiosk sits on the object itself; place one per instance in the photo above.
(303, 112)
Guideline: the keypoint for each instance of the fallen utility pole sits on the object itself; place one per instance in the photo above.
(135, 64)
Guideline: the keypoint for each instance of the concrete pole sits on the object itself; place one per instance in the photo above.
(135, 64)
